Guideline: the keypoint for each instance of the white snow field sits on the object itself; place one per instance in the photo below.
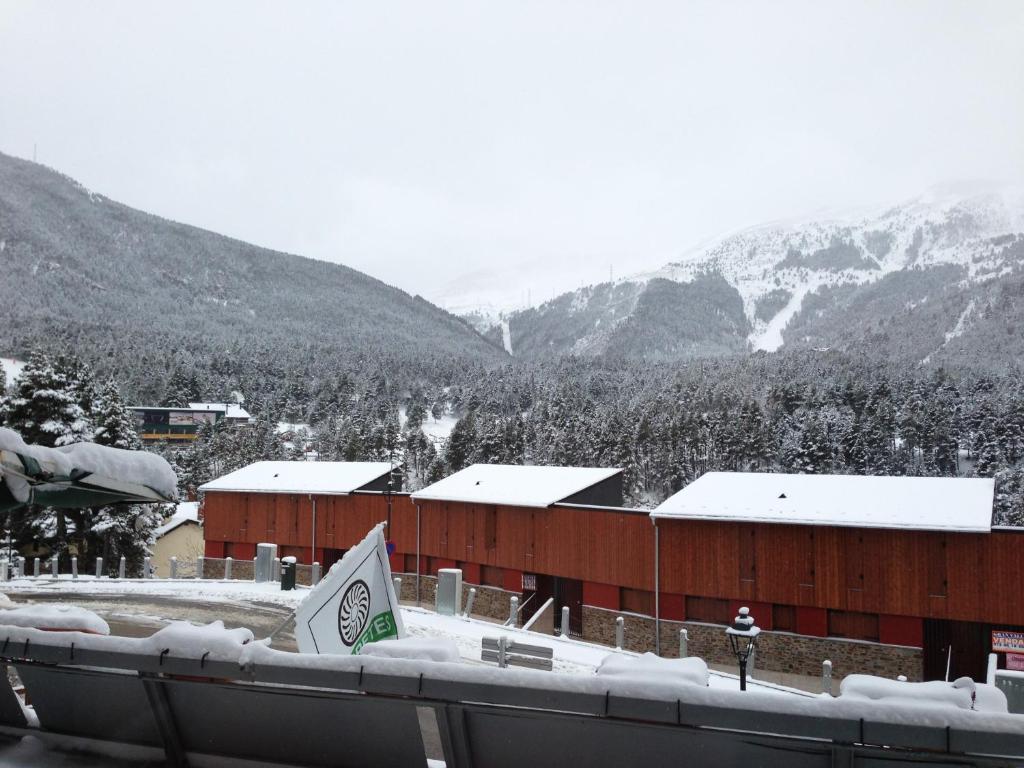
(12, 369)
(570, 656)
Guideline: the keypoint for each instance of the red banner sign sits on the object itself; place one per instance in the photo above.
(1004, 641)
(1015, 661)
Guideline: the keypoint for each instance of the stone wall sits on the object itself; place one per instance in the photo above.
(777, 651)
(490, 602)
(241, 570)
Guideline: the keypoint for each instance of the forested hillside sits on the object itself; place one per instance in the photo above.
(140, 297)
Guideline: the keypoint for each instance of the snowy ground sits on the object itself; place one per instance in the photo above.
(436, 430)
(12, 369)
(156, 600)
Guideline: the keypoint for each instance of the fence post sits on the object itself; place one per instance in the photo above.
(174, 567)
(21, 567)
(54, 566)
(684, 640)
(35, 567)
(513, 610)
(469, 602)
(315, 576)
(74, 567)
(620, 632)
(145, 567)
(397, 582)
(277, 568)
(200, 567)
(565, 621)
(826, 677)
(121, 568)
(99, 567)
(503, 650)
(227, 568)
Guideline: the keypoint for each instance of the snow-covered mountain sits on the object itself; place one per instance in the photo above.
(922, 274)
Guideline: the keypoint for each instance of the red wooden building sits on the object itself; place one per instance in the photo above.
(908, 563)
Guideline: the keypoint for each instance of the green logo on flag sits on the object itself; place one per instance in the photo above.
(381, 626)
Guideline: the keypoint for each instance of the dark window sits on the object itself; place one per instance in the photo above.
(747, 553)
(709, 609)
(937, 583)
(490, 528)
(491, 576)
(637, 601)
(784, 618)
(855, 626)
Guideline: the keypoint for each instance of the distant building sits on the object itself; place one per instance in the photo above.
(181, 536)
(183, 424)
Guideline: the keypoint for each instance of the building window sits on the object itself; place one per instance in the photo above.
(709, 609)
(747, 552)
(636, 601)
(852, 625)
(490, 576)
(490, 527)
(784, 618)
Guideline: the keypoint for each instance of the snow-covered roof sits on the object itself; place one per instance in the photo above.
(852, 501)
(326, 477)
(186, 512)
(231, 410)
(514, 485)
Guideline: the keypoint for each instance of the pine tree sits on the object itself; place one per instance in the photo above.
(114, 423)
(45, 407)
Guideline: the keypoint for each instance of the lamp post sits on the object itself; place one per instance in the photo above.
(743, 639)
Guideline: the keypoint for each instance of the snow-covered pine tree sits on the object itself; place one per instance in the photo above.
(45, 407)
(114, 424)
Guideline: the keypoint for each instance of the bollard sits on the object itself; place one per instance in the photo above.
(751, 658)
(397, 581)
(826, 677)
(513, 611)
(120, 568)
(174, 567)
(99, 567)
(315, 578)
(469, 602)
(503, 650)
(74, 567)
(4, 570)
(565, 621)
(54, 566)
(21, 567)
(227, 568)
(200, 567)
(620, 632)
(35, 567)
(277, 568)
(684, 641)
(146, 567)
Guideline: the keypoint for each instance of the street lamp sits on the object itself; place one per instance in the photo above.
(743, 639)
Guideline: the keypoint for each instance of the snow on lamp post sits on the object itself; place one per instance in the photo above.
(743, 639)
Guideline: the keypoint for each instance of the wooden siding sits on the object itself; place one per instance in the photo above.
(963, 576)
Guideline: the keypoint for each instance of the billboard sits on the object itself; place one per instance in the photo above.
(1006, 641)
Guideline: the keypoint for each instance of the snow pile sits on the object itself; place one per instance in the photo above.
(654, 669)
(962, 693)
(138, 467)
(183, 639)
(65, 618)
(424, 648)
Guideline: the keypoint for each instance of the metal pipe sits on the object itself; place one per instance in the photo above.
(312, 553)
(417, 554)
(657, 589)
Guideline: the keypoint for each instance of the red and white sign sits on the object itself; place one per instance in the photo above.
(1015, 661)
(1005, 641)
(529, 582)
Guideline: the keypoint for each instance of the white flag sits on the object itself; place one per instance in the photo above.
(354, 604)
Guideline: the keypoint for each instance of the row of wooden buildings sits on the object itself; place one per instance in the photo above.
(893, 575)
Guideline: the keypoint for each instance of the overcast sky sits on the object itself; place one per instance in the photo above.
(537, 144)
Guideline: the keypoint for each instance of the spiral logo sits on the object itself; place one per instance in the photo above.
(353, 612)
